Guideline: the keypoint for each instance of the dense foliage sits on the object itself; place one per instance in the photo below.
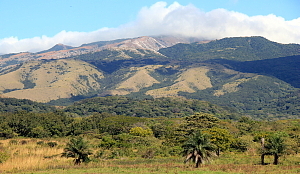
(13, 105)
(284, 68)
(150, 108)
(116, 136)
(257, 97)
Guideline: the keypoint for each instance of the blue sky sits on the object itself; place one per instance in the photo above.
(34, 25)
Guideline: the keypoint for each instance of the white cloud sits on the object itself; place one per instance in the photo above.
(161, 19)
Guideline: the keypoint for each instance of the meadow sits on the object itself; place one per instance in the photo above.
(37, 156)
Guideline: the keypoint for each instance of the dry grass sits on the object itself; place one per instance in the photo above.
(188, 81)
(53, 80)
(30, 157)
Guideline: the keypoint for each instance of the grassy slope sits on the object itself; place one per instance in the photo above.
(49, 80)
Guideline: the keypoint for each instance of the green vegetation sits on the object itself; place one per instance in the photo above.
(275, 145)
(238, 48)
(98, 138)
(198, 148)
(77, 148)
(262, 98)
(150, 108)
(14, 105)
(129, 143)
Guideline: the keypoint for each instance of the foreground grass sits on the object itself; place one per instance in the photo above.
(32, 158)
(168, 165)
(159, 166)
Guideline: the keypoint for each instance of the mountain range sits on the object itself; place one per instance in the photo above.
(253, 75)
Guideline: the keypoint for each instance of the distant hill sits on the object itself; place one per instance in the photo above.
(60, 51)
(57, 47)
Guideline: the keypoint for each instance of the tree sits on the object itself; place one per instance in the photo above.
(221, 138)
(199, 121)
(198, 148)
(273, 145)
(79, 149)
(139, 131)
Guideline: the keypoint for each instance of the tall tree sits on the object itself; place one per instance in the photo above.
(198, 148)
(199, 121)
(221, 138)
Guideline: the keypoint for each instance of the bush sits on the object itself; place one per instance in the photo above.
(52, 144)
(139, 131)
(148, 153)
(40, 143)
(4, 155)
(107, 142)
(23, 142)
(13, 142)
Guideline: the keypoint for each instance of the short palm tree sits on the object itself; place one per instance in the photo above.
(77, 148)
(274, 146)
(198, 148)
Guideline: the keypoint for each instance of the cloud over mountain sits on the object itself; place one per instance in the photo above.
(161, 19)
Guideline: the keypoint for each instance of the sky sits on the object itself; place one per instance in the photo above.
(35, 25)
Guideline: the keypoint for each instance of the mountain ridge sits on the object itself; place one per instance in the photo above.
(250, 74)
(60, 51)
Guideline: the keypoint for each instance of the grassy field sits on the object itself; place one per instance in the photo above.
(32, 156)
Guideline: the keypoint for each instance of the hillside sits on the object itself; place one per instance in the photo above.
(284, 68)
(250, 74)
(60, 51)
(50, 80)
(238, 48)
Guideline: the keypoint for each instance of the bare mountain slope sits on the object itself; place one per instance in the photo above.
(50, 80)
(189, 81)
(60, 51)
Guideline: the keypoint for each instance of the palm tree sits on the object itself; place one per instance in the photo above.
(274, 146)
(79, 149)
(198, 148)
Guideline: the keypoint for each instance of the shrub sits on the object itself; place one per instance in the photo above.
(52, 144)
(40, 143)
(139, 131)
(107, 142)
(13, 142)
(4, 155)
(23, 142)
(148, 153)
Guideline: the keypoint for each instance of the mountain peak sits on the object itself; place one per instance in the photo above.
(147, 42)
(59, 47)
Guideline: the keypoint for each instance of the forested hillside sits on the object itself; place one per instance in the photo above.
(284, 68)
(239, 48)
(14, 105)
